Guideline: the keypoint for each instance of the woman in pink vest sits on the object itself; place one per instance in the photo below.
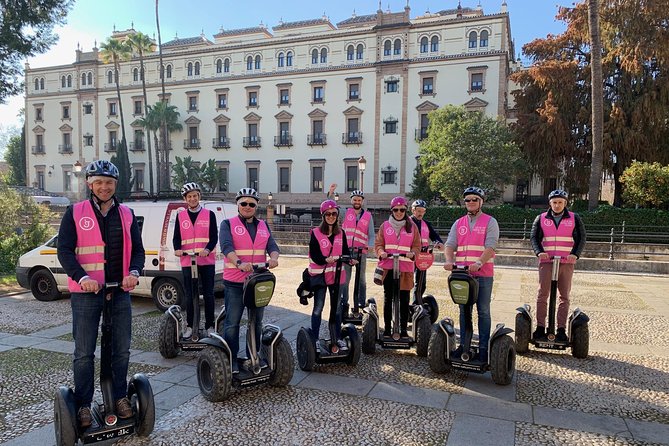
(471, 242)
(400, 235)
(196, 230)
(326, 244)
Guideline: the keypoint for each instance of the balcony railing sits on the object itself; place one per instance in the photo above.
(38, 150)
(317, 139)
(136, 146)
(65, 148)
(110, 146)
(421, 134)
(191, 144)
(283, 141)
(251, 141)
(351, 138)
(222, 142)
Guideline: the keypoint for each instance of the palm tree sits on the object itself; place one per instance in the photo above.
(596, 87)
(115, 51)
(164, 174)
(166, 118)
(142, 44)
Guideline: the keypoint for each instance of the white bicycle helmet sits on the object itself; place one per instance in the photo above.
(190, 187)
(247, 192)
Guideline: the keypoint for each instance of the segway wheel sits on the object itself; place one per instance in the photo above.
(580, 341)
(431, 303)
(369, 332)
(64, 417)
(306, 350)
(284, 363)
(436, 351)
(502, 360)
(423, 331)
(349, 331)
(523, 329)
(141, 397)
(214, 375)
(168, 337)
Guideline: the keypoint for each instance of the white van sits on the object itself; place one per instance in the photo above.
(39, 270)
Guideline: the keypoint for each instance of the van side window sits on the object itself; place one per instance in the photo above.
(140, 222)
(53, 243)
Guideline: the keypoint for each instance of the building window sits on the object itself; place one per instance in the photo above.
(387, 48)
(252, 139)
(138, 141)
(253, 177)
(354, 91)
(222, 136)
(110, 77)
(351, 178)
(477, 82)
(219, 66)
(226, 66)
(434, 44)
(392, 86)
(90, 79)
(289, 59)
(314, 56)
(197, 68)
(317, 179)
(189, 69)
(284, 179)
(138, 179)
(390, 126)
(324, 55)
(280, 60)
(36, 84)
(318, 93)
(249, 63)
(359, 52)
(352, 131)
(69, 80)
(83, 79)
(222, 101)
(388, 175)
(138, 107)
(284, 138)
(350, 52)
(135, 75)
(67, 180)
(428, 85)
(88, 109)
(424, 123)
(222, 179)
(66, 147)
(472, 39)
(192, 103)
(253, 98)
(66, 112)
(38, 114)
(168, 73)
(423, 45)
(397, 47)
(62, 81)
(317, 136)
(110, 146)
(257, 63)
(112, 109)
(284, 96)
(88, 140)
(193, 141)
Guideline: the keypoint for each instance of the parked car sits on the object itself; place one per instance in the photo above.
(42, 197)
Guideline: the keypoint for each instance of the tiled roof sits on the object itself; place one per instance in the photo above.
(465, 10)
(232, 32)
(358, 19)
(186, 41)
(301, 23)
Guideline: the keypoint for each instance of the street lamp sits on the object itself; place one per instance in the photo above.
(270, 212)
(269, 198)
(362, 163)
(77, 167)
(77, 173)
(336, 196)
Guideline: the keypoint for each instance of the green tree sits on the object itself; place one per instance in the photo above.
(211, 176)
(15, 157)
(115, 51)
(646, 185)
(121, 161)
(165, 119)
(184, 171)
(420, 187)
(26, 29)
(467, 148)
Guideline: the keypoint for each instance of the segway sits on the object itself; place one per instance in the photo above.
(578, 337)
(442, 352)
(312, 350)
(419, 328)
(173, 321)
(354, 317)
(106, 425)
(274, 364)
(424, 261)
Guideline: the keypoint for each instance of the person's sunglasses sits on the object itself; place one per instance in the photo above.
(245, 203)
(468, 200)
(399, 210)
(330, 214)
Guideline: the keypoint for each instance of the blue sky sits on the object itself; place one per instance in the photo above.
(92, 20)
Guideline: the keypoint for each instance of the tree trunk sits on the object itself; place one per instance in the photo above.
(163, 180)
(146, 114)
(597, 105)
(118, 94)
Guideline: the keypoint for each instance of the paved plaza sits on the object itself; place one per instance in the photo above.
(619, 395)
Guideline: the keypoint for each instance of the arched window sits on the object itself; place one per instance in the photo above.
(62, 81)
(83, 79)
(484, 39)
(36, 84)
(280, 60)
(359, 52)
(219, 66)
(472, 39)
(289, 59)
(197, 68)
(349, 52)
(90, 79)
(397, 48)
(110, 77)
(434, 44)
(41, 84)
(249, 63)
(168, 73)
(135, 74)
(324, 55)
(226, 66)
(257, 65)
(69, 80)
(423, 45)
(314, 56)
(189, 69)
(387, 48)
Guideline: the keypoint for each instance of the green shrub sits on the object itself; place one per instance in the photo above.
(646, 185)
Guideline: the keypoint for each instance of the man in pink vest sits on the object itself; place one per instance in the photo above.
(471, 242)
(196, 230)
(556, 232)
(245, 241)
(427, 234)
(99, 241)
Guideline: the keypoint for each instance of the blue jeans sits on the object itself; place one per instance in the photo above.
(362, 289)
(319, 303)
(205, 276)
(483, 310)
(234, 308)
(86, 315)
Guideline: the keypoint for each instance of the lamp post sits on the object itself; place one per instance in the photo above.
(77, 173)
(336, 197)
(270, 211)
(362, 163)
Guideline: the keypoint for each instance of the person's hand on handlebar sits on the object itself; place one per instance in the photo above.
(204, 253)
(273, 263)
(383, 255)
(543, 256)
(246, 267)
(439, 246)
(129, 282)
(178, 252)
(410, 255)
(90, 285)
(572, 257)
(353, 262)
(330, 259)
(448, 266)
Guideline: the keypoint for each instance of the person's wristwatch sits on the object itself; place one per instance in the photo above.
(479, 263)
(238, 262)
(134, 273)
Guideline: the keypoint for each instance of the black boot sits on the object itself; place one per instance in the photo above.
(539, 333)
(561, 335)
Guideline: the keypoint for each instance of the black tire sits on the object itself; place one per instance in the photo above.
(64, 417)
(141, 396)
(284, 364)
(431, 304)
(502, 360)
(167, 292)
(523, 333)
(349, 331)
(422, 332)
(580, 341)
(167, 344)
(214, 374)
(43, 286)
(306, 350)
(436, 352)
(369, 333)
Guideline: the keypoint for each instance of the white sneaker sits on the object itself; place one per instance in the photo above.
(188, 332)
(210, 331)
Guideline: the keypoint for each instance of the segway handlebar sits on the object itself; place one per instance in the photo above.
(257, 266)
(390, 256)
(111, 285)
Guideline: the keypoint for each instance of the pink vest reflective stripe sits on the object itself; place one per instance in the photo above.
(395, 244)
(90, 250)
(248, 251)
(471, 244)
(357, 231)
(337, 247)
(558, 241)
(195, 237)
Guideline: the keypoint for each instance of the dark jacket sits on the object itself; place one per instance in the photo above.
(537, 234)
(433, 234)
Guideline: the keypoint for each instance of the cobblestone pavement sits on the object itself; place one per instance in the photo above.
(619, 395)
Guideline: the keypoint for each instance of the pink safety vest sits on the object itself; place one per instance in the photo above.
(195, 237)
(395, 244)
(424, 234)
(90, 250)
(248, 251)
(471, 244)
(558, 241)
(357, 231)
(328, 249)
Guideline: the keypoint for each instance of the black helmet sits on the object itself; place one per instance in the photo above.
(101, 168)
(419, 204)
(473, 190)
(558, 193)
(189, 187)
(247, 192)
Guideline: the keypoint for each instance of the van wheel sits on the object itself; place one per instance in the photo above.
(166, 292)
(43, 286)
